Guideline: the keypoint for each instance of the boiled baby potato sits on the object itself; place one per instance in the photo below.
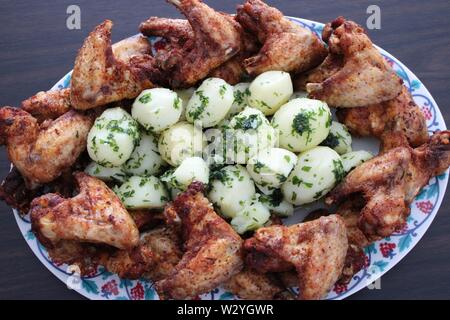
(302, 124)
(241, 93)
(210, 103)
(145, 159)
(181, 141)
(270, 90)
(157, 109)
(113, 137)
(191, 169)
(185, 95)
(355, 158)
(317, 171)
(339, 139)
(271, 167)
(252, 217)
(143, 193)
(276, 203)
(230, 189)
(104, 173)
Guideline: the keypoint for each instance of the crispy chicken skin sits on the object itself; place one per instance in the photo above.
(316, 249)
(99, 78)
(212, 249)
(41, 152)
(390, 182)
(48, 105)
(396, 122)
(365, 77)
(286, 46)
(216, 38)
(94, 215)
(251, 285)
(158, 252)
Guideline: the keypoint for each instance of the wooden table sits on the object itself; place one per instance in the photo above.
(37, 49)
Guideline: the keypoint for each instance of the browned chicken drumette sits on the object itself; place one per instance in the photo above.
(212, 249)
(48, 105)
(99, 77)
(356, 74)
(94, 215)
(286, 46)
(397, 122)
(316, 249)
(390, 182)
(41, 152)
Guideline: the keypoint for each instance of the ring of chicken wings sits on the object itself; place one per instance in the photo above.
(212, 249)
(94, 215)
(355, 73)
(390, 182)
(41, 152)
(286, 46)
(316, 249)
(99, 77)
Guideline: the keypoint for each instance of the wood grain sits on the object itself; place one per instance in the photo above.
(37, 49)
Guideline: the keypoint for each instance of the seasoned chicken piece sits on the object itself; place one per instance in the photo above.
(94, 215)
(100, 78)
(155, 257)
(41, 152)
(316, 249)
(251, 285)
(390, 182)
(286, 45)
(128, 48)
(48, 105)
(180, 38)
(397, 122)
(212, 249)
(216, 38)
(365, 77)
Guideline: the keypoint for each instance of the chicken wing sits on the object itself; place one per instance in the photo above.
(94, 215)
(216, 38)
(316, 249)
(365, 77)
(48, 105)
(99, 78)
(286, 45)
(390, 182)
(396, 122)
(41, 152)
(212, 249)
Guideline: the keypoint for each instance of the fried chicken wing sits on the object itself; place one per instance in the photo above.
(251, 285)
(100, 78)
(396, 122)
(216, 38)
(390, 182)
(41, 152)
(212, 249)
(48, 105)
(316, 249)
(365, 77)
(286, 45)
(94, 215)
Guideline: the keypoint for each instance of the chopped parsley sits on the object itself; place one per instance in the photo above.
(253, 121)
(204, 100)
(302, 124)
(146, 98)
(339, 172)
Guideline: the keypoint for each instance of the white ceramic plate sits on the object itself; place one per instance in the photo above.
(380, 256)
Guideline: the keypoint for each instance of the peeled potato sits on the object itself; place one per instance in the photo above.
(276, 203)
(271, 167)
(210, 103)
(355, 158)
(339, 139)
(104, 173)
(241, 93)
(317, 171)
(302, 123)
(270, 90)
(143, 193)
(230, 189)
(181, 141)
(157, 109)
(112, 138)
(191, 169)
(145, 159)
(252, 217)
(185, 95)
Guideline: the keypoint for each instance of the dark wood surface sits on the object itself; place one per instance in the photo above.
(36, 49)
